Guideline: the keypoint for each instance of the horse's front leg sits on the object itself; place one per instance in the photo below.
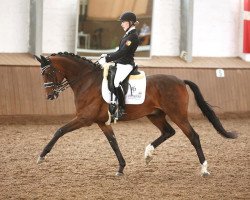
(71, 126)
(108, 131)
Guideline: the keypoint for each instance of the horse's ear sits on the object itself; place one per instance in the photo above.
(44, 60)
(38, 59)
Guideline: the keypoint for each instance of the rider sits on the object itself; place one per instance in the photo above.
(124, 56)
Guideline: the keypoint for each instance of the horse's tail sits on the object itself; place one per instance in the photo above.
(208, 111)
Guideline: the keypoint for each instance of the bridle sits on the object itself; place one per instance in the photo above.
(57, 87)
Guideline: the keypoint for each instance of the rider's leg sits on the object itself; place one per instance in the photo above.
(121, 100)
(121, 73)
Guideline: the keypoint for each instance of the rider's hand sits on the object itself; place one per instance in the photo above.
(102, 60)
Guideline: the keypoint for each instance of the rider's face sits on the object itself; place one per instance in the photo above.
(125, 25)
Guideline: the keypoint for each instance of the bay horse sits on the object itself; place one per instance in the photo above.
(165, 95)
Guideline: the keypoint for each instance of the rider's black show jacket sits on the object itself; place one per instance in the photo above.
(127, 47)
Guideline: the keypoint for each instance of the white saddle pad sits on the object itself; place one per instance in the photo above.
(136, 89)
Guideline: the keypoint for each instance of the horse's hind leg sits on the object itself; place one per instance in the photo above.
(158, 119)
(195, 141)
(176, 108)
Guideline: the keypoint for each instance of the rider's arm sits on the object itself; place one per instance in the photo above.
(119, 53)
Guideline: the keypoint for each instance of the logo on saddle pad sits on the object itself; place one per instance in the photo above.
(136, 87)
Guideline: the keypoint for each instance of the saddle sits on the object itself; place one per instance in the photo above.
(115, 111)
(125, 84)
(134, 86)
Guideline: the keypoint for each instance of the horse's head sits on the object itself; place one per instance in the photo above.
(52, 77)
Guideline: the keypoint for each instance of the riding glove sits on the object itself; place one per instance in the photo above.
(103, 55)
(102, 60)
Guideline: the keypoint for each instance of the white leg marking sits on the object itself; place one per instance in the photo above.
(119, 174)
(40, 160)
(204, 171)
(149, 153)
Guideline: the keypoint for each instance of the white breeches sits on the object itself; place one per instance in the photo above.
(121, 73)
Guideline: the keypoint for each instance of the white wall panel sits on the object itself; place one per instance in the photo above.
(14, 26)
(59, 24)
(216, 28)
(166, 28)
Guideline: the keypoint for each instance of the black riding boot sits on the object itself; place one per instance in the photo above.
(121, 101)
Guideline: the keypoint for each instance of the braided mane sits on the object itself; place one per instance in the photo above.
(95, 64)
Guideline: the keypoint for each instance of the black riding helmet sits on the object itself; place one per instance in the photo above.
(128, 16)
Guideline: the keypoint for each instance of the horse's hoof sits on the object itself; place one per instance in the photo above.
(205, 174)
(40, 160)
(148, 155)
(148, 159)
(119, 174)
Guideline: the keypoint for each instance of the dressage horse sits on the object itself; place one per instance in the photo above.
(165, 95)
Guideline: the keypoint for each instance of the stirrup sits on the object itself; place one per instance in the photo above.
(120, 112)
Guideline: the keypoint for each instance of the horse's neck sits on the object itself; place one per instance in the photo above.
(83, 76)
